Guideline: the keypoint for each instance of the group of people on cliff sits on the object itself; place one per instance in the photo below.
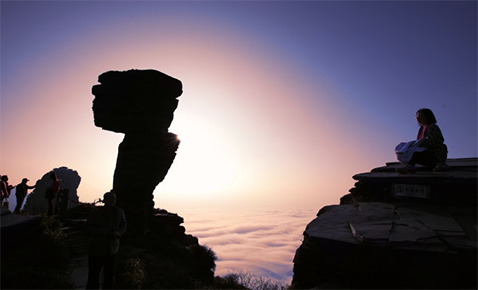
(21, 191)
(106, 225)
(52, 186)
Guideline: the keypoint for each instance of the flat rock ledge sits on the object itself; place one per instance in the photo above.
(395, 231)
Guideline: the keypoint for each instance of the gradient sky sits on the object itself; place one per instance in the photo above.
(283, 101)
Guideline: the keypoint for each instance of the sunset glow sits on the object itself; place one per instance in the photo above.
(283, 101)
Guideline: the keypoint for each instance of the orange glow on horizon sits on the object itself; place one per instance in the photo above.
(246, 131)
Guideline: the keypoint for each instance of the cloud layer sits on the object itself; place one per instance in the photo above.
(260, 242)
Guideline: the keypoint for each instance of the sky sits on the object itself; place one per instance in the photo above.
(283, 102)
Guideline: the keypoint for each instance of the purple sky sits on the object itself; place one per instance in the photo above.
(281, 89)
(284, 101)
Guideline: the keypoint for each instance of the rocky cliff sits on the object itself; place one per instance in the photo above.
(396, 231)
(140, 104)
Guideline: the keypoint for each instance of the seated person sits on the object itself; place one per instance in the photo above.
(431, 138)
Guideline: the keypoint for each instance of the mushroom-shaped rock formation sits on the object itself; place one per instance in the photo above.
(140, 104)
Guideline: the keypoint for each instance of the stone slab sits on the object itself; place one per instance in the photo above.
(422, 227)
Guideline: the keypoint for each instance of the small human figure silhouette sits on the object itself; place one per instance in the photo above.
(21, 192)
(52, 189)
(431, 138)
(5, 190)
(106, 225)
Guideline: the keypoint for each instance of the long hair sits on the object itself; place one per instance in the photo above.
(429, 116)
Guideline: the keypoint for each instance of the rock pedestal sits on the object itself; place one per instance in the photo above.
(140, 104)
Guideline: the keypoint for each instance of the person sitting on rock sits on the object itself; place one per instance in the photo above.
(431, 138)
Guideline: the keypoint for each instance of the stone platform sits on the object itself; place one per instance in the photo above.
(16, 228)
(396, 231)
(455, 186)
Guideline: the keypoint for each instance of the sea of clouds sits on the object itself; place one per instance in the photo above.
(260, 242)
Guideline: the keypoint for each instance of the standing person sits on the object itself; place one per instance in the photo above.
(21, 192)
(5, 189)
(52, 189)
(106, 225)
(431, 138)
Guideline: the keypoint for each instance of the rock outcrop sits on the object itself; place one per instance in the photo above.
(164, 258)
(396, 231)
(140, 104)
(16, 228)
(69, 181)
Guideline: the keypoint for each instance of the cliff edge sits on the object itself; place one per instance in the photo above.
(396, 231)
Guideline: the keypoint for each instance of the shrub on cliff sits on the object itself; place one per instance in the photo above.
(169, 266)
(247, 280)
(164, 263)
(253, 282)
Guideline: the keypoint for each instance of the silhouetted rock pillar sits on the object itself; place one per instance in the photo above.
(139, 103)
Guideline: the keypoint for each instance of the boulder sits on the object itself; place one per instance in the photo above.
(69, 181)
